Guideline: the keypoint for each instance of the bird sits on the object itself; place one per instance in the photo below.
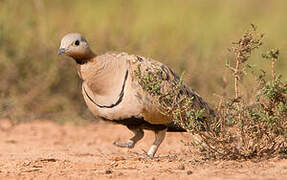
(114, 93)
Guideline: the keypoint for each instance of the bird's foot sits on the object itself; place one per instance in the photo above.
(142, 156)
(128, 144)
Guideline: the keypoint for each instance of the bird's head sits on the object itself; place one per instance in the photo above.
(76, 46)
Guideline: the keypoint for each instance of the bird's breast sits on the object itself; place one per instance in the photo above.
(125, 104)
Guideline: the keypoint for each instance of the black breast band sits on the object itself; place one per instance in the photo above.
(121, 95)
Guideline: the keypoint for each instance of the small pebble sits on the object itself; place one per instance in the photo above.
(189, 172)
(27, 163)
(119, 158)
(108, 171)
(181, 167)
(115, 164)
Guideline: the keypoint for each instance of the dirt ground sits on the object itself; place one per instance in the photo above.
(45, 150)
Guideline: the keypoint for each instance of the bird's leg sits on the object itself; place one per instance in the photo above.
(159, 137)
(138, 135)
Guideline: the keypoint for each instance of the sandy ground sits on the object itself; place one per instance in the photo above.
(44, 150)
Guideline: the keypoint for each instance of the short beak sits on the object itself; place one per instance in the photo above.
(61, 51)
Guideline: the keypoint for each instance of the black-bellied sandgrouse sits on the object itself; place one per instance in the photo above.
(112, 90)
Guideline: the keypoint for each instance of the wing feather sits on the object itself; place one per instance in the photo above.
(159, 82)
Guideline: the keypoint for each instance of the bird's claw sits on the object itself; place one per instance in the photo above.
(128, 144)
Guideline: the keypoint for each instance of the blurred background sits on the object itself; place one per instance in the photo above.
(187, 35)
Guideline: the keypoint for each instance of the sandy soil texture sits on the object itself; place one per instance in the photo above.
(44, 150)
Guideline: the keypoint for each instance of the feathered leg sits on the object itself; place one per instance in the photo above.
(138, 135)
(159, 137)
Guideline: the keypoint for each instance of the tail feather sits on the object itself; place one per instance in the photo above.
(173, 127)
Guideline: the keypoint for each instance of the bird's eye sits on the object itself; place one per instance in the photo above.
(77, 42)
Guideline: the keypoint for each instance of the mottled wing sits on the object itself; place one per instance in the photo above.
(158, 80)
